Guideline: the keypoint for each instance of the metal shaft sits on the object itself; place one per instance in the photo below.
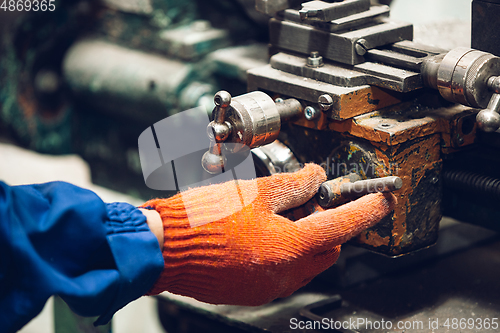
(289, 108)
(342, 189)
(362, 187)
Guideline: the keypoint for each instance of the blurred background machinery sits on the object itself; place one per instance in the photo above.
(90, 76)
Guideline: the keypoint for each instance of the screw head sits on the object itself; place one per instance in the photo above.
(361, 47)
(325, 102)
(311, 113)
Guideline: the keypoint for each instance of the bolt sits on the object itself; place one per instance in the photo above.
(311, 113)
(314, 60)
(434, 180)
(279, 100)
(325, 102)
(460, 141)
(361, 47)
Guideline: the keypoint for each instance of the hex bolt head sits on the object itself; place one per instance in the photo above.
(325, 102)
(314, 60)
(311, 113)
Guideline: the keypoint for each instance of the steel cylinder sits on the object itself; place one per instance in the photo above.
(255, 119)
(461, 76)
(340, 190)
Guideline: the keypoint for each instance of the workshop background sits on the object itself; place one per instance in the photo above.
(69, 113)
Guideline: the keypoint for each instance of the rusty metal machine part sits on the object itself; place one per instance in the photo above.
(346, 91)
(244, 122)
(362, 84)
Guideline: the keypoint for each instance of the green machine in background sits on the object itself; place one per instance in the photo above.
(89, 77)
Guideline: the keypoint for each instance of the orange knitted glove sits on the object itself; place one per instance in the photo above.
(247, 254)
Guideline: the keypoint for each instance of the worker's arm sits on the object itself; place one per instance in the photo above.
(227, 243)
(56, 238)
(223, 244)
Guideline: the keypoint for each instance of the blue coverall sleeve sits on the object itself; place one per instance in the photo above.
(59, 239)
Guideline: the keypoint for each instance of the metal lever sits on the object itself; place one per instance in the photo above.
(213, 161)
(339, 190)
(469, 77)
(488, 119)
(244, 122)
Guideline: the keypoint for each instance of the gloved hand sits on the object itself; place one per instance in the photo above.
(250, 255)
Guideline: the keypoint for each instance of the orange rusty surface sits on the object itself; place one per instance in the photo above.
(410, 165)
(400, 129)
(321, 123)
(350, 104)
(362, 101)
(452, 129)
(410, 144)
(371, 238)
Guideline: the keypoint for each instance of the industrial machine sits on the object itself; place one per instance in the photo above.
(347, 88)
(344, 87)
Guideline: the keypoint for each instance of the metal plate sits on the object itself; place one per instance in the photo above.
(366, 73)
(337, 47)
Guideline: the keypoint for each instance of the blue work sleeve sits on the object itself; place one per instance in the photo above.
(59, 239)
